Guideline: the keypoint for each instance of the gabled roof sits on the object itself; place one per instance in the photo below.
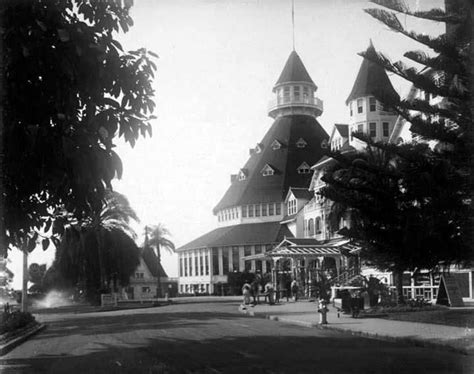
(372, 80)
(259, 189)
(151, 261)
(294, 71)
(246, 234)
(343, 129)
(300, 193)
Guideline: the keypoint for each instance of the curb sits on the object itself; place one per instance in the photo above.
(7, 347)
(406, 340)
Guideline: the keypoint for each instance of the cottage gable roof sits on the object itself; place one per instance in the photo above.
(151, 261)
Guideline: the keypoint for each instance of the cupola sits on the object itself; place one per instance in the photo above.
(295, 91)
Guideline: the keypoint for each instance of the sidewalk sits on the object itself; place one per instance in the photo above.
(305, 313)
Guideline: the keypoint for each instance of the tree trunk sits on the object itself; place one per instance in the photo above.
(101, 265)
(3, 242)
(398, 275)
(158, 280)
(24, 289)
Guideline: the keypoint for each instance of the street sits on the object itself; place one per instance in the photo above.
(210, 337)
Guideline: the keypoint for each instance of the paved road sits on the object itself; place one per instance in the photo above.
(211, 338)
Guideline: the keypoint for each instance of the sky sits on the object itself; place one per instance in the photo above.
(218, 62)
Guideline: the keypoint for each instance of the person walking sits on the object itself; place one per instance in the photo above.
(270, 291)
(294, 290)
(246, 293)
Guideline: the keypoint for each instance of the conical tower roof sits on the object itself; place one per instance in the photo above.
(284, 160)
(294, 71)
(372, 80)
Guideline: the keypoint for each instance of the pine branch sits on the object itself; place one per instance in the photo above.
(435, 14)
(439, 44)
(438, 63)
(419, 80)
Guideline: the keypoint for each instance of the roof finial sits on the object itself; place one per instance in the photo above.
(293, 21)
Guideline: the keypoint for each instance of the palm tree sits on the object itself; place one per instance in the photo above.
(156, 236)
(101, 249)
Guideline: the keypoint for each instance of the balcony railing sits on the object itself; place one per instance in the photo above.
(295, 100)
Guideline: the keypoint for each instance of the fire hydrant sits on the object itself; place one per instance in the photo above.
(323, 310)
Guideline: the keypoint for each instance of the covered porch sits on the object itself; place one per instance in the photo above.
(314, 264)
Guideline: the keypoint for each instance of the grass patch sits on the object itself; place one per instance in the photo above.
(449, 317)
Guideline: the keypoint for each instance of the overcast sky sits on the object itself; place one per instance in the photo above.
(218, 62)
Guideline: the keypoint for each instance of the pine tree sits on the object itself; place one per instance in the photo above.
(410, 202)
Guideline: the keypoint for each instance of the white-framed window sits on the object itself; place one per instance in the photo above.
(267, 170)
(372, 129)
(257, 210)
(250, 210)
(296, 93)
(360, 105)
(264, 209)
(244, 211)
(291, 206)
(277, 209)
(372, 104)
(304, 168)
(139, 275)
(385, 129)
(301, 143)
(271, 209)
(276, 145)
(305, 94)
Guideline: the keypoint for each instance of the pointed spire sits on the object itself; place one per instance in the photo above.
(293, 21)
(372, 80)
(294, 71)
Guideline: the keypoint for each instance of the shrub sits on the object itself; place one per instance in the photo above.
(15, 320)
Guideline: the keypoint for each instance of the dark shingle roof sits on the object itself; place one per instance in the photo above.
(372, 80)
(252, 233)
(286, 160)
(301, 193)
(151, 261)
(294, 71)
(343, 129)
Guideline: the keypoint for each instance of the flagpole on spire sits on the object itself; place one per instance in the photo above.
(293, 21)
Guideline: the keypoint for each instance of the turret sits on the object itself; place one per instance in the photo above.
(368, 114)
(295, 91)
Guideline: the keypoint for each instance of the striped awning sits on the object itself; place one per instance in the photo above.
(290, 251)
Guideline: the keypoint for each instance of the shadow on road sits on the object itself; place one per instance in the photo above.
(218, 342)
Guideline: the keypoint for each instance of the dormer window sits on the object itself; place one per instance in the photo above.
(291, 206)
(276, 145)
(301, 143)
(242, 174)
(267, 170)
(304, 168)
(259, 148)
(324, 144)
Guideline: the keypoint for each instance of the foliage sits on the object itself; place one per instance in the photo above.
(100, 251)
(15, 320)
(157, 236)
(409, 203)
(69, 91)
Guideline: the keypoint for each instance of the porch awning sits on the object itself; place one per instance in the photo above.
(304, 251)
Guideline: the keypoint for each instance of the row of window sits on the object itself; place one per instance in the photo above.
(228, 214)
(261, 210)
(296, 92)
(374, 105)
(313, 227)
(188, 267)
(194, 288)
(372, 129)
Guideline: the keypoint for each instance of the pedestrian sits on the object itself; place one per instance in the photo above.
(294, 290)
(270, 292)
(255, 290)
(246, 293)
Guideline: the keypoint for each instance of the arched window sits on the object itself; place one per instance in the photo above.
(311, 227)
(318, 225)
